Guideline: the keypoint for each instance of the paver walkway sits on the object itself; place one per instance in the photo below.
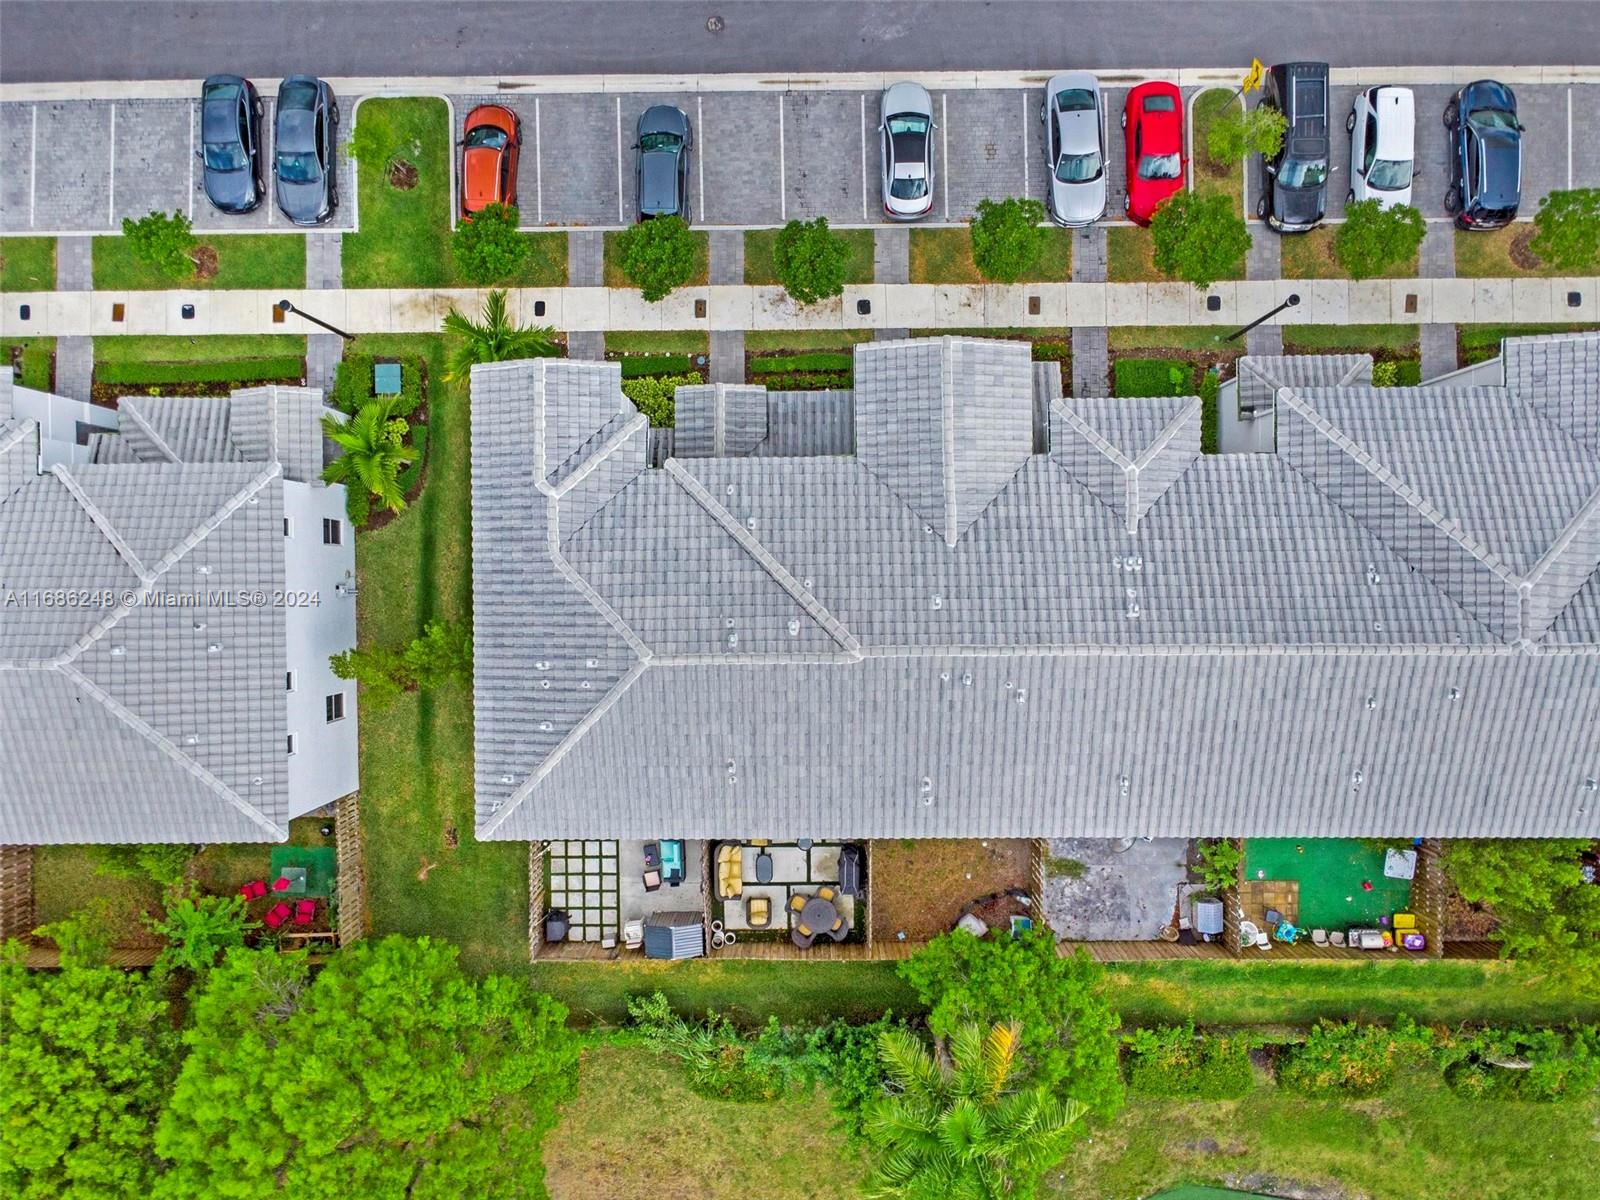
(727, 356)
(727, 256)
(1265, 259)
(585, 258)
(1091, 344)
(74, 264)
(74, 355)
(324, 259)
(1438, 261)
(891, 263)
(323, 352)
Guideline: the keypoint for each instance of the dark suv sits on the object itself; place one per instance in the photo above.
(661, 163)
(1485, 156)
(1294, 183)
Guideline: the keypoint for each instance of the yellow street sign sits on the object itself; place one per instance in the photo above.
(1254, 76)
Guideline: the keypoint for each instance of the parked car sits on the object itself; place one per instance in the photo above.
(1294, 184)
(905, 129)
(491, 144)
(305, 135)
(1485, 156)
(661, 162)
(1152, 123)
(230, 143)
(1075, 148)
(1382, 126)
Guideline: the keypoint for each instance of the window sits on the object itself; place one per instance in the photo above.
(332, 531)
(291, 744)
(334, 705)
(288, 530)
(1372, 142)
(288, 681)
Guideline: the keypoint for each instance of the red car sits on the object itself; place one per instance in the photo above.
(1152, 121)
(491, 144)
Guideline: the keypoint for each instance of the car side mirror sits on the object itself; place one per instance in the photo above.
(1522, 129)
(1270, 169)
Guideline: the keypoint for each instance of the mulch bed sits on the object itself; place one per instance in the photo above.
(1465, 922)
(1521, 250)
(921, 888)
(402, 174)
(205, 262)
(106, 395)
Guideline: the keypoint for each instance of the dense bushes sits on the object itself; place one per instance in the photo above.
(637, 366)
(1524, 1064)
(1342, 1058)
(1153, 377)
(656, 395)
(1174, 1062)
(352, 384)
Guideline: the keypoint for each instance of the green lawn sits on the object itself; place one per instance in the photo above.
(1419, 1142)
(27, 264)
(945, 256)
(612, 260)
(1479, 342)
(1349, 339)
(1310, 256)
(1130, 257)
(1152, 377)
(244, 260)
(137, 349)
(1488, 255)
(802, 339)
(636, 1132)
(416, 756)
(759, 244)
(1210, 176)
(405, 234)
(34, 370)
(659, 341)
(1173, 337)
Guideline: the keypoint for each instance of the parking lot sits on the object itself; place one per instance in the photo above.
(760, 158)
(81, 166)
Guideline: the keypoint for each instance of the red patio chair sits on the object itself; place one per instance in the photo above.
(254, 890)
(280, 884)
(304, 912)
(277, 915)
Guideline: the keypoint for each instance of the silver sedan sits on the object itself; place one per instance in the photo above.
(1075, 148)
(906, 131)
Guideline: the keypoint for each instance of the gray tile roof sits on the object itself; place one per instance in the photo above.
(1261, 643)
(19, 454)
(259, 425)
(280, 424)
(1559, 376)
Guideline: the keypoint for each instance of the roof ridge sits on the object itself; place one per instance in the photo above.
(1095, 437)
(947, 398)
(19, 429)
(587, 467)
(133, 721)
(585, 589)
(102, 523)
(130, 405)
(1213, 650)
(563, 748)
(1168, 432)
(1590, 511)
(753, 546)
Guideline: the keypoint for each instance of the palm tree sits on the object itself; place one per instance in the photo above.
(955, 1126)
(375, 450)
(493, 338)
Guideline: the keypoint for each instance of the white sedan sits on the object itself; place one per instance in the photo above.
(1382, 129)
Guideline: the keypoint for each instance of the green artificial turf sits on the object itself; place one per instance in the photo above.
(1341, 880)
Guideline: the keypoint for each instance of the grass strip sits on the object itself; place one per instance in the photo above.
(223, 371)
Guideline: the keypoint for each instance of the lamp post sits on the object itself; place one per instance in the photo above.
(285, 306)
(1293, 300)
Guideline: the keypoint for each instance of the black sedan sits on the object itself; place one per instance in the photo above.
(1485, 156)
(230, 143)
(661, 168)
(305, 134)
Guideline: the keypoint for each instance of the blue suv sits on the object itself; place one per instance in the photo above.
(1485, 156)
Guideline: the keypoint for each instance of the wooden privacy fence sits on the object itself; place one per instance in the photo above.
(352, 885)
(16, 892)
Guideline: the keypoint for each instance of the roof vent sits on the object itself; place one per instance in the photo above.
(1123, 784)
(730, 489)
(191, 740)
(199, 626)
(1133, 562)
(586, 685)
(1022, 695)
(794, 627)
(508, 779)
(966, 679)
(203, 569)
(733, 641)
(1010, 685)
(592, 663)
(750, 522)
(118, 651)
(938, 601)
(927, 784)
(544, 683)
(253, 500)
(1591, 784)
(214, 648)
(1372, 574)
(728, 622)
(1372, 703)
(542, 665)
(1455, 694)
(1377, 627)
(806, 583)
(944, 676)
(257, 781)
(545, 726)
(1357, 778)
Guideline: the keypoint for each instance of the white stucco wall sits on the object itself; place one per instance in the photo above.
(324, 764)
(58, 418)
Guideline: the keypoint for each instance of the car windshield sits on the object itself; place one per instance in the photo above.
(225, 157)
(1299, 173)
(298, 168)
(1390, 174)
(659, 141)
(487, 136)
(1078, 168)
(908, 189)
(1493, 118)
(1160, 104)
(1160, 166)
(297, 95)
(1075, 100)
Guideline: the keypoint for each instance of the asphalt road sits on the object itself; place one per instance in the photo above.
(60, 40)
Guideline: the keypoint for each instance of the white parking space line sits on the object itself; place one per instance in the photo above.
(944, 147)
(111, 189)
(33, 167)
(863, 156)
(538, 159)
(620, 219)
(1569, 139)
(783, 174)
(192, 119)
(700, 154)
(1027, 157)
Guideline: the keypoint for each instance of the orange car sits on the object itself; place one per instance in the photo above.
(491, 146)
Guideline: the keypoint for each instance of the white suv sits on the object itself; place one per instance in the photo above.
(1382, 129)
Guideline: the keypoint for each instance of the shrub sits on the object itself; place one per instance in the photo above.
(1219, 864)
(1351, 1060)
(1567, 229)
(1007, 237)
(1173, 1062)
(822, 360)
(721, 1064)
(163, 864)
(1237, 134)
(443, 654)
(1198, 239)
(232, 370)
(1384, 374)
(411, 473)
(810, 260)
(1373, 240)
(164, 241)
(845, 1058)
(1548, 915)
(1525, 1064)
(352, 384)
(656, 395)
(636, 366)
(488, 248)
(1065, 868)
(808, 381)
(199, 929)
(1052, 352)
(1152, 377)
(1210, 386)
(658, 256)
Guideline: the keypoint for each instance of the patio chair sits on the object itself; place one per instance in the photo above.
(805, 930)
(652, 881)
(1263, 940)
(277, 915)
(280, 884)
(758, 912)
(305, 912)
(633, 935)
(840, 930)
(1319, 937)
(803, 940)
(838, 924)
(1336, 938)
(253, 890)
(826, 893)
(1274, 917)
(797, 903)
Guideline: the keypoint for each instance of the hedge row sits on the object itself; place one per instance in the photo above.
(637, 366)
(803, 363)
(656, 395)
(1153, 377)
(808, 381)
(233, 370)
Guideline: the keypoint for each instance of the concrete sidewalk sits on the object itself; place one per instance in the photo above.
(887, 306)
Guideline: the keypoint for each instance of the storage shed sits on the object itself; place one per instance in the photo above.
(675, 935)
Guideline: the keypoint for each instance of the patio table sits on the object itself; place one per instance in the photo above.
(297, 881)
(818, 915)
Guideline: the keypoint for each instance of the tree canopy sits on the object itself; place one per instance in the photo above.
(658, 256)
(1567, 229)
(1375, 240)
(1198, 239)
(389, 1074)
(809, 260)
(1238, 134)
(489, 248)
(1549, 917)
(1007, 237)
(1067, 1025)
(164, 240)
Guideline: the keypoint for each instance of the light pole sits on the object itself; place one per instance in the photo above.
(285, 306)
(1293, 300)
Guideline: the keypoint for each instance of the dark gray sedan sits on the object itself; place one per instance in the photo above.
(661, 163)
(230, 143)
(304, 141)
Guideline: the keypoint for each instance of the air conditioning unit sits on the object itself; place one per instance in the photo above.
(1206, 915)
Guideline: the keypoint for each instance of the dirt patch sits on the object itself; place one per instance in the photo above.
(106, 395)
(919, 887)
(205, 262)
(1521, 250)
(402, 174)
(422, 872)
(452, 839)
(1465, 922)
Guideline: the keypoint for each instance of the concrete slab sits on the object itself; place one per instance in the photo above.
(825, 864)
(634, 903)
(733, 911)
(1369, 302)
(1168, 303)
(1084, 304)
(959, 306)
(1125, 304)
(1329, 300)
(1532, 301)
(1452, 301)
(1126, 892)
